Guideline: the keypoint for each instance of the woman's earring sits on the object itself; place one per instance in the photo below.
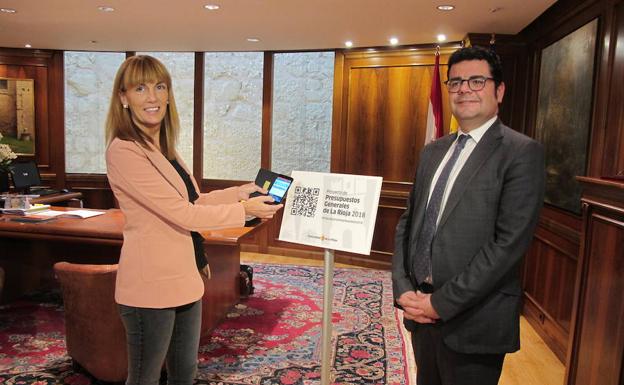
(125, 106)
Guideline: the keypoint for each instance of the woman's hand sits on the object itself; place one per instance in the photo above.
(245, 190)
(258, 207)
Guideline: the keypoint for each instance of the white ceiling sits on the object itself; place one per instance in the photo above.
(184, 25)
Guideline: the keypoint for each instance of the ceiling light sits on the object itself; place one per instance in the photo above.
(348, 44)
(253, 39)
(105, 8)
(7, 10)
(212, 7)
(441, 37)
(394, 41)
(445, 7)
(27, 45)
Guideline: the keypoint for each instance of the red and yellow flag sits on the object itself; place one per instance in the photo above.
(434, 116)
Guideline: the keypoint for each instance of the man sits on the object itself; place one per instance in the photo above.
(460, 243)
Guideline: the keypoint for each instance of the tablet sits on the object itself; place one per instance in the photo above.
(276, 184)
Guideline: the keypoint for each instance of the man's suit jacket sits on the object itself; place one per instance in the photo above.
(483, 233)
(157, 266)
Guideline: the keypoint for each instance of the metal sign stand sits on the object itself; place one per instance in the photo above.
(326, 334)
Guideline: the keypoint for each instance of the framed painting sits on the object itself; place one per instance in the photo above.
(17, 115)
(564, 110)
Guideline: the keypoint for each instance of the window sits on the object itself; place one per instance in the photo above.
(232, 115)
(88, 88)
(302, 111)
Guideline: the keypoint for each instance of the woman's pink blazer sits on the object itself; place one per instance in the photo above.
(157, 264)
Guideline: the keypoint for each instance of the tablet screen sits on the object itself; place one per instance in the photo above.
(279, 188)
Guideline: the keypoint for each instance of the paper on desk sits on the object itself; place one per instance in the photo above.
(33, 209)
(70, 213)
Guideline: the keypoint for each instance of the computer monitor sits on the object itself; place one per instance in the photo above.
(25, 175)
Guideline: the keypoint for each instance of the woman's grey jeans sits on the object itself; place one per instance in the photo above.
(154, 335)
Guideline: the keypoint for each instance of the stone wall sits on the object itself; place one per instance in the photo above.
(232, 114)
(88, 88)
(302, 111)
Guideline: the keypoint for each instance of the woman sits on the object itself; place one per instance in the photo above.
(159, 287)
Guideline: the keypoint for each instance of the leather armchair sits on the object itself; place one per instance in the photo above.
(94, 334)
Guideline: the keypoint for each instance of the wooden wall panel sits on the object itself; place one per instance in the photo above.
(553, 296)
(548, 302)
(548, 289)
(96, 192)
(383, 239)
(596, 347)
(386, 120)
(602, 336)
(613, 155)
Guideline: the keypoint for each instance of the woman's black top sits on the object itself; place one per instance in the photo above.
(198, 240)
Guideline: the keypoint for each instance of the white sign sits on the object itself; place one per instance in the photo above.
(333, 211)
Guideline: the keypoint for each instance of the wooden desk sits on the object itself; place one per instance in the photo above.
(29, 250)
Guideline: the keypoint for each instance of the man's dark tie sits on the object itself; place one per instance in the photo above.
(422, 255)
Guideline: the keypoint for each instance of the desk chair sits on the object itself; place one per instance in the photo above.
(94, 334)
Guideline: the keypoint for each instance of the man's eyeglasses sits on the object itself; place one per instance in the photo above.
(475, 83)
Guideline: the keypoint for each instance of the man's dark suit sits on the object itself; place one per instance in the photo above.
(483, 233)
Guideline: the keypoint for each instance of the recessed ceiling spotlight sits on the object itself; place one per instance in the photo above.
(394, 41)
(348, 44)
(445, 7)
(27, 45)
(212, 7)
(441, 37)
(7, 10)
(105, 8)
(253, 39)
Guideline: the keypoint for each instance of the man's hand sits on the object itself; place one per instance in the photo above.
(414, 307)
(423, 302)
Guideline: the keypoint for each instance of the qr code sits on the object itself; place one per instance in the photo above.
(304, 202)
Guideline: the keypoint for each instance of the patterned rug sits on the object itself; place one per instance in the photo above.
(271, 338)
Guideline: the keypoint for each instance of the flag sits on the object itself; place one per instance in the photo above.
(454, 125)
(434, 116)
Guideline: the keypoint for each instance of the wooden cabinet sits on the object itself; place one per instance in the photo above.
(596, 346)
